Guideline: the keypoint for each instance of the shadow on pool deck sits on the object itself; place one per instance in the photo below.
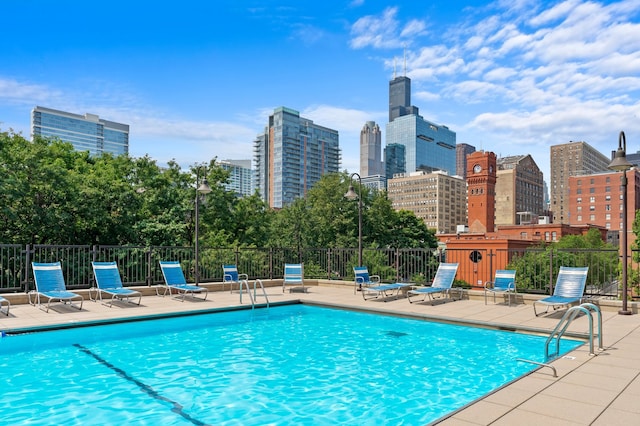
(589, 390)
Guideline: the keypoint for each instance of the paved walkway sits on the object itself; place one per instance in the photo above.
(590, 390)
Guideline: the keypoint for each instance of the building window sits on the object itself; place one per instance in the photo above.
(592, 199)
(553, 235)
(607, 189)
(579, 218)
(607, 216)
(579, 191)
(546, 235)
(592, 190)
(579, 200)
(592, 217)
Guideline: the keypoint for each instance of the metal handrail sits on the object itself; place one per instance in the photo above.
(567, 319)
(561, 328)
(252, 298)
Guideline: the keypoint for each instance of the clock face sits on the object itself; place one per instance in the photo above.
(477, 168)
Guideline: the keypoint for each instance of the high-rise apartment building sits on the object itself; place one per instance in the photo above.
(86, 132)
(292, 155)
(462, 150)
(371, 150)
(571, 159)
(240, 176)
(519, 190)
(437, 198)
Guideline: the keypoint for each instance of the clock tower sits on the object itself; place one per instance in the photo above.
(481, 191)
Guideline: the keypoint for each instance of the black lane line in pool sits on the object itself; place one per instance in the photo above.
(177, 408)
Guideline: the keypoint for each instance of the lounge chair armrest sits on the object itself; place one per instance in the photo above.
(488, 285)
(243, 277)
(374, 278)
(359, 280)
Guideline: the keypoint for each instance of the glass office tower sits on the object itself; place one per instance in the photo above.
(428, 146)
(85, 132)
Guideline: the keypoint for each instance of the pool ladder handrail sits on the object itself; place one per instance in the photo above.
(561, 328)
(566, 320)
(245, 283)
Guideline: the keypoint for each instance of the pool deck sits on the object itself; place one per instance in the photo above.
(600, 389)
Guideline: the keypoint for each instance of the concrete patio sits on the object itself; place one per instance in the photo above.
(589, 390)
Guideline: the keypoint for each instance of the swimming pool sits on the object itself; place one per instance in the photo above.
(286, 365)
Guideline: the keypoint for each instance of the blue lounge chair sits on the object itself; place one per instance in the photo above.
(569, 289)
(503, 283)
(231, 276)
(441, 284)
(50, 285)
(6, 302)
(371, 287)
(362, 278)
(293, 275)
(108, 282)
(174, 280)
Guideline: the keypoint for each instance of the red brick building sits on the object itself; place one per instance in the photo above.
(597, 200)
(483, 250)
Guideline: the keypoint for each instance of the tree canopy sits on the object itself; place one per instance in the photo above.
(52, 194)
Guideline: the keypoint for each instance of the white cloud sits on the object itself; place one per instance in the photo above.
(384, 31)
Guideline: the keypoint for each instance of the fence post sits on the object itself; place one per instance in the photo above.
(270, 263)
(551, 271)
(397, 262)
(149, 277)
(27, 263)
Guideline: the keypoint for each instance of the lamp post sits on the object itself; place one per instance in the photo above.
(620, 163)
(351, 195)
(202, 189)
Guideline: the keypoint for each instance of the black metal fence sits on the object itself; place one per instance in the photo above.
(537, 268)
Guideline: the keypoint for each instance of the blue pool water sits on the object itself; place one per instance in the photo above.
(287, 365)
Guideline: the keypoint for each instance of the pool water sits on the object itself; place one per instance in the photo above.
(286, 365)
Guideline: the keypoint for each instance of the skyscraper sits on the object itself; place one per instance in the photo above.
(400, 98)
(394, 159)
(571, 159)
(462, 150)
(292, 155)
(371, 150)
(240, 176)
(85, 132)
(428, 146)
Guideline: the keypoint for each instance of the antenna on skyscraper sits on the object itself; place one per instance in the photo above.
(404, 52)
(394, 67)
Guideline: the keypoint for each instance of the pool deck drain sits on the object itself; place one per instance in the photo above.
(590, 390)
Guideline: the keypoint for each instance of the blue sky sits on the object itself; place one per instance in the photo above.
(198, 79)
